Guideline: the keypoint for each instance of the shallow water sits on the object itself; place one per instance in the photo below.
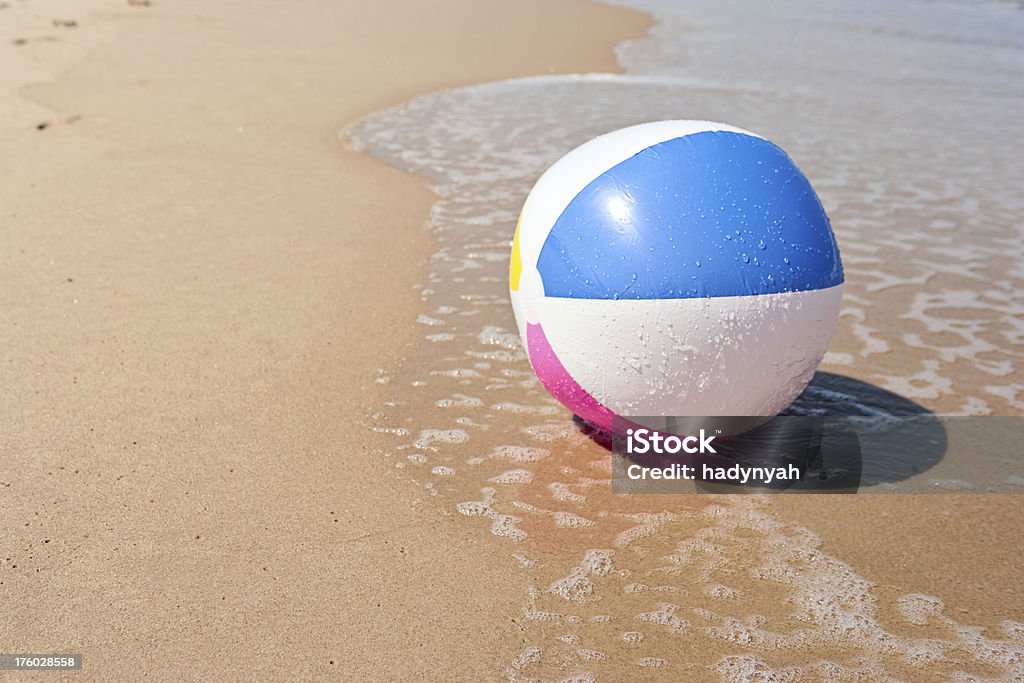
(906, 117)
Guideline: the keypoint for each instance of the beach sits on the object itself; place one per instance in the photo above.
(266, 411)
(199, 283)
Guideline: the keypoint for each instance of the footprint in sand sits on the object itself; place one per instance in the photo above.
(43, 125)
(38, 39)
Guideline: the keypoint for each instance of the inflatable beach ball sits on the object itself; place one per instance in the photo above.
(676, 268)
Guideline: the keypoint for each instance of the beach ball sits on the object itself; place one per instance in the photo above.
(675, 268)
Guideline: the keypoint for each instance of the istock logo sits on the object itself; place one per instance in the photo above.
(641, 441)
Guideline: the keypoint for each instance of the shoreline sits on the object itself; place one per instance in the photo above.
(185, 496)
(902, 546)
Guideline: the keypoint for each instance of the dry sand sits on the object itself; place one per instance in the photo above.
(198, 285)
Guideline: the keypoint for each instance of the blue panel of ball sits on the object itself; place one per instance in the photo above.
(706, 215)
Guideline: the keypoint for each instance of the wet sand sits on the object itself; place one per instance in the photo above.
(920, 587)
(954, 546)
(199, 283)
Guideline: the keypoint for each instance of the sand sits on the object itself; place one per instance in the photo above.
(199, 284)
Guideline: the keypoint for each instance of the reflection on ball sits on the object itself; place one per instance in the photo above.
(675, 268)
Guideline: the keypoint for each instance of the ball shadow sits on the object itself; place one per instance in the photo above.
(842, 433)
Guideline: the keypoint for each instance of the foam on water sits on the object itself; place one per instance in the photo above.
(906, 118)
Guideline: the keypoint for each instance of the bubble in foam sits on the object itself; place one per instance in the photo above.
(1014, 629)
(501, 524)
(591, 655)
(425, 319)
(665, 615)
(472, 509)
(633, 637)
(568, 520)
(443, 471)
(428, 437)
(920, 609)
(506, 526)
(649, 524)
(561, 491)
(530, 655)
(496, 336)
(397, 431)
(735, 631)
(520, 453)
(955, 485)
(652, 662)
(457, 373)
(598, 562)
(924, 653)
(720, 591)
(523, 560)
(585, 677)
(744, 669)
(578, 586)
(534, 614)
(513, 477)
(459, 400)
(510, 407)
(550, 432)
